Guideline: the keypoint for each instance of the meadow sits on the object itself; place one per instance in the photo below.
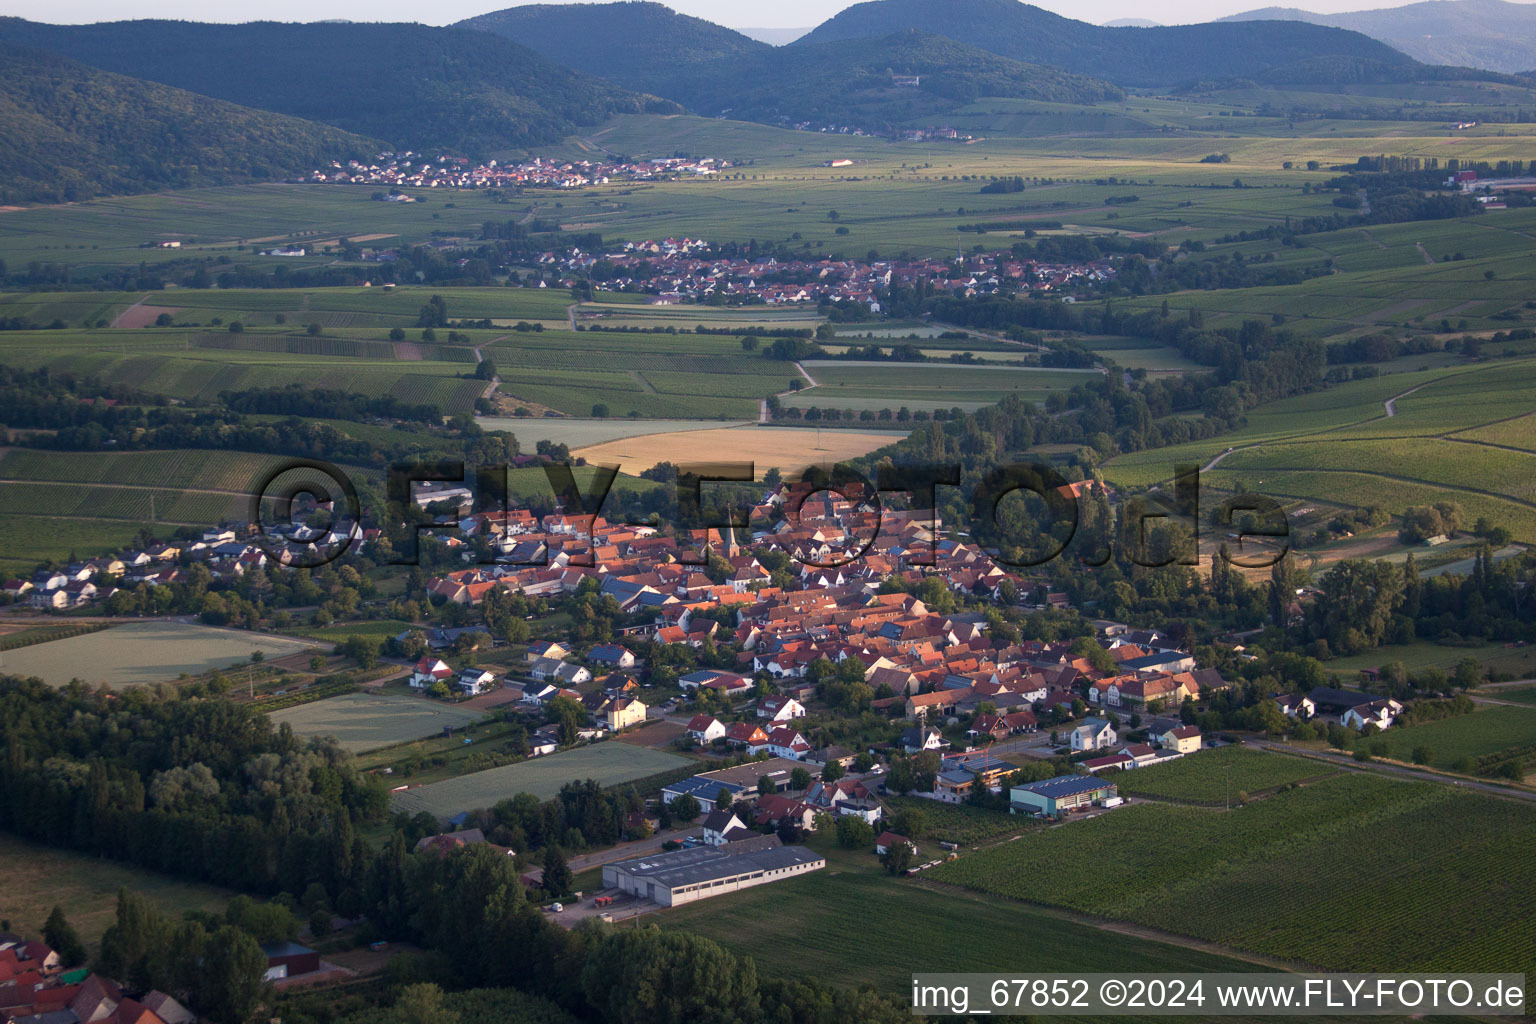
(609, 763)
(137, 653)
(1298, 875)
(39, 878)
(367, 721)
(1213, 775)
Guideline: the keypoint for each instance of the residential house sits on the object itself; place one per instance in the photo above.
(722, 827)
(885, 840)
(1185, 739)
(780, 709)
(1380, 713)
(706, 729)
(430, 670)
(612, 656)
(919, 738)
(623, 712)
(746, 734)
(1093, 734)
(547, 649)
(473, 681)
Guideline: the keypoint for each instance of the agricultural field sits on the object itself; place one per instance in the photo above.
(582, 433)
(26, 540)
(1518, 694)
(1339, 446)
(1269, 877)
(367, 721)
(1210, 776)
(38, 878)
(1512, 661)
(957, 823)
(873, 386)
(88, 503)
(1489, 730)
(137, 653)
(790, 449)
(953, 930)
(609, 763)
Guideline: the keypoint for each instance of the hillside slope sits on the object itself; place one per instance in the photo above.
(1125, 56)
(855, 81)
(1489, 34)
(70, 132)
(640, 45)
(409, 85)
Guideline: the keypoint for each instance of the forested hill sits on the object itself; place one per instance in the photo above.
(408, 85)
(855, 81)
(72, 132)
(639, 45)
(1127, 56)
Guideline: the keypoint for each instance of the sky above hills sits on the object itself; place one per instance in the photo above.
(733, 13)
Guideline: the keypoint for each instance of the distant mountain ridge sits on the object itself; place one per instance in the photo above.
(712, 70)
(640, 45)
(73, 132)
(411, 86)
(889, 80)
(1490, 34)
(1143, 57)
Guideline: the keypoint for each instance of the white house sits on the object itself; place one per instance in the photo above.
(720, 824)
(706, 728)
(473, 681)
(780, 709)
(430, 670)
(1185, 739)
(1380, 713)
(1093, 734)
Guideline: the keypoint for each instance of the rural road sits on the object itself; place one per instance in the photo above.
(762, 406)
(1425, 253)
(117, 320)
(622, 851)
(1350, 764)
(1391, 403)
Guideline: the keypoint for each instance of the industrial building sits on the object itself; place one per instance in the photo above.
(1059, 795)
(697, 873)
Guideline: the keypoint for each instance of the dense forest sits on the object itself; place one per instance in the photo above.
(409, 86)
(73, 132)
(1126, 56)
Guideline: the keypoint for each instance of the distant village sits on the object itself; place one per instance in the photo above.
(418, 170)
(688, 270)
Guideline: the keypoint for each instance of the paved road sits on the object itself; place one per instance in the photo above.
(623, 851)
(1350, 764)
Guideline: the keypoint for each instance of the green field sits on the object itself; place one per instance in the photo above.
(1212, 775)
(802, 926)
(1300, 875)
(1339, 447)
(26, 540)
(37, 878)
(1519, 694)
(1488, 730)
(609, 763)
(367, 721)
(872, 386)
(956, 823)
(144, 652)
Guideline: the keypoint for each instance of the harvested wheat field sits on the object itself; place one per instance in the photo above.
(789, 449)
